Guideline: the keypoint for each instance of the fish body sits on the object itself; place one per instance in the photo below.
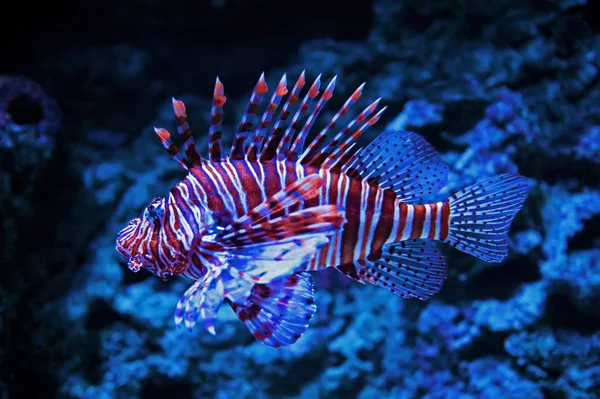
(374, 215)
(249, 227)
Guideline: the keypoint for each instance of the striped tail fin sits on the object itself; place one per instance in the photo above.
(481, 215)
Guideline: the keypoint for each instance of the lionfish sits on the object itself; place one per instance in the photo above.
(249, 227)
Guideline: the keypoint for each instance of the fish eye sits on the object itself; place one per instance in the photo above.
(152, 214)
(155, 210)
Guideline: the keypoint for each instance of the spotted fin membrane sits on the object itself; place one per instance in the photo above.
(277, 314)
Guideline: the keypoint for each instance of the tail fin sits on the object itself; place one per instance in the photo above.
(481, 215)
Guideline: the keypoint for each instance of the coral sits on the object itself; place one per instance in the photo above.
(490, 378)
(29, 119)
(29, 123)
(417, 114)
(523, 310)
(545, 354)
(589, 147)
(572, 266)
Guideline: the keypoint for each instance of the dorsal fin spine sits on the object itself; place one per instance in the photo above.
(247, 122)
(344, 157)
(334, 155)
(257, 141)
(313, 92)
(215, 148)
(269, 150)
(308, 154)
(298, 144)
(336, 141)
(185, 132)
(172, 150)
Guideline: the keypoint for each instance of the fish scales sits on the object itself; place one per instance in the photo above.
(231, 194)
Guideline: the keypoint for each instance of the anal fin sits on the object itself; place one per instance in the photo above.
(411, 269)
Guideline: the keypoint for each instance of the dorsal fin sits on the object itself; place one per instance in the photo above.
(284, 140)
(269, 150)
(172, 150)
(402, 161)
(185, 132)
(298, 144)
(315, 144)
(284, 144)
(345, 157)
(238, 145)
(193, 157)
(265, 121)
(338, 139)
(334, 156)
(215, 148)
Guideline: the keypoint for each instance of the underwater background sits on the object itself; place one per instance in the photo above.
(495, 86)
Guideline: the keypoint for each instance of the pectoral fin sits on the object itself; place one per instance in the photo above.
(277, 314)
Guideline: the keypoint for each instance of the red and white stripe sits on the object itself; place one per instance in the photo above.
(429, 221)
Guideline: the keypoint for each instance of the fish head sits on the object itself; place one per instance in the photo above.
(146, 243)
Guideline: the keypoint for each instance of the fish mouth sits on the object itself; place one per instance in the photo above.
(123, 251)
(135, 263)
(126, 238)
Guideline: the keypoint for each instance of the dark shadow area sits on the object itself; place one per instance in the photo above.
(461, 116)
(586, 238)
(501, 281)
(161, 389)
(68, 23)
(562, 313)
(552, 169)
(102, 315)
(25, 110)
(489, 342)
(591, 15)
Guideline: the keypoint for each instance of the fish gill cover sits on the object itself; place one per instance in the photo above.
(495, 87)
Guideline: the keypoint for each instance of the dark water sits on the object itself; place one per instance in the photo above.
(495, 87)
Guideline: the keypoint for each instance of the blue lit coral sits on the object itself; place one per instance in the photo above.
(29, 118)
(30, 121)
